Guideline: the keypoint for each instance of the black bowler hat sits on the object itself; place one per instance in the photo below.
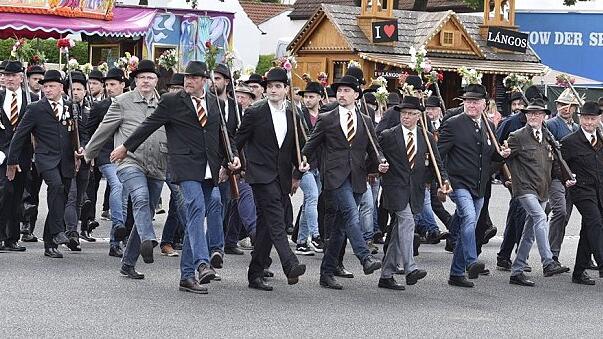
(369, 97)
(196, 68)
(475, 91)
(372, 88)
(330, 92)
(590, 108)
(538, 104)
(393, 99)
(415, 81)
(313, 87)
(176, 80)
(35, 69)
(410, 102)
(534, 92)
(254, 79)
(356, 73)
(76, 76)
(516, 96)
(52, 75)
(276, 74)
(145, 66)
(12, 67)
(223, 69)
(96, 75)
(433, 101)
(114, 74)
(3, 65)
(349, 81)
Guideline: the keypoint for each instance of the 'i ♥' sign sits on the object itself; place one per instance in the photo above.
(385, 31)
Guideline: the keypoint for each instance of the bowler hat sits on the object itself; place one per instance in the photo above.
(145, 66)
(356, 73)
(533, 92)
(223, 69)
(516, 96)
(590, 108)
(369, 97)
(52, 75)
(538, 104)
(245, 89)
(196, 68)
(276, 74)
(393, 99)
(313, 87)
(433, 101)
(96, 75)
(3, 64)
(475, 91)
(12, 67)
(410, 102)
(254, 79)
(76, 76)
(415, 81)
(349, 81)
(176, 80)
(372, 88)
(35, 69)
(330, 92)
(113, 74)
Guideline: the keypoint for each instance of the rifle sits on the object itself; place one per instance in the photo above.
(368, 133)
(234, 185)
(75, 110)
(492, 137)
(423, 120)
(295, 114)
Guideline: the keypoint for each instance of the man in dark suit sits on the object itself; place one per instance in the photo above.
(467, 151)
(406, 150)
(268, 137)
(583, 151)
(13, 102)
(345, 141)
(51, 122)
(192, 121)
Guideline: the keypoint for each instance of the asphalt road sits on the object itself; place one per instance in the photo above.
(83, 295)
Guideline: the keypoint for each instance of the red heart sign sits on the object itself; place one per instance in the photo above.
(389, 30)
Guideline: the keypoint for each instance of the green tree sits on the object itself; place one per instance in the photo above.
(264, 63)
(48, 48)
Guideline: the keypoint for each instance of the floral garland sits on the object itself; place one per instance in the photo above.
(86, 68)
(323, 79)
(65, 45)
(168, 59)
(20, 50)
(419, 61)
(103, 68)
(73, 65)
(128, 63)
(516, 82)
(288, 62)
(382, 95)
(469, 76)
(211, 54)
(564, 80)
(434, 77)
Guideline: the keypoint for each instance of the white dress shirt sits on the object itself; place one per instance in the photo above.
(343, 119)
(204, 105)
(589, 135)
(59, 107)
(279, 122)
(414, 135)
(8, 99)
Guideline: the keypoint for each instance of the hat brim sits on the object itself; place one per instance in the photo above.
(198, 74)
(336, 85)
(265, 82)
(535, 109)
(43, 81)
(4, 71)
(136, 72)
(409, 106)
(474, 95)
(304, 92)
(246, 92)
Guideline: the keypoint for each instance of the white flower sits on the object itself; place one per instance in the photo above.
(422, 51)
(382, 90)
(413, 52)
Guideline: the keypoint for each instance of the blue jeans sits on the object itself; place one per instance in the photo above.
(535, 228)
(425, 220)
(176, 213)
(145, 193)
(242, 214)
(308, 221)
(197, 195)
(463, 226)
(117, 203)
(375, 186)
(366, 209)
(215, 221)
(347, 222)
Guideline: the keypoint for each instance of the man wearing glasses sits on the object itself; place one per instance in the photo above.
(255, 82)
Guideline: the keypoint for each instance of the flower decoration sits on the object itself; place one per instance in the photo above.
(306, 77)
(103, 68)
(288, 62)
(418, 60)
(37, 58)
(211, 53)
(323, 78)
(434, 77)
(381, 95)
(564, 80)
(354, 63)
(73, 65)
(168, 59)
(133, 63)
(469, 76)
(380, 81)
(65, 45)
(122, 62)
(516, 82)
(20, 50)
(402, 78)
(86, 68)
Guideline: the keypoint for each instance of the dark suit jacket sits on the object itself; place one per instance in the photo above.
(231, 122)
(467, 153)
(391, 118)
(7, 133)
(97, 113)
(53, 140)
(401, 185)
(190, 146)
(341, 159)
(265, 161)
(586, 163)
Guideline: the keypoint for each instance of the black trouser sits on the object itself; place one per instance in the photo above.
(438, 207)
(10, 203)
(91, 193)
(31, 198)
(58, 189)
(327, 211)
(77, 194)
(516, 218)
(271, 204)
(591, 236)
(483, 222)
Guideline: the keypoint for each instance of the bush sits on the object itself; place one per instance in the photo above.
(49, 48)
(264, 64)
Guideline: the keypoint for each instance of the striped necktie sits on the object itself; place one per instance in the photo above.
(537, 136)
(201, 114)
(14, 110)
(55, 110)
(350, 127)
(593, 140)
(411, 150)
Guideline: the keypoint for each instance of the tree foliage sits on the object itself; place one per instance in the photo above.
(49, 48)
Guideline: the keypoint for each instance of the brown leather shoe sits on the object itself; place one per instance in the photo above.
(168, 250)
(191, 285)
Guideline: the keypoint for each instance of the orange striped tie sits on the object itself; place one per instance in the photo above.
(14, 110)
(201, 114)
(411, 150)
(351, 130)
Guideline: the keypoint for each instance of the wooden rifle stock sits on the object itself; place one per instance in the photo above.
(492, 137)
(368, 133)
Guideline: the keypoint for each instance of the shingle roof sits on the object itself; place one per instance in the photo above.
(413, 30)
(260, 12)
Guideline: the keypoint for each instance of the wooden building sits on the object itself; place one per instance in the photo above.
(337, 34)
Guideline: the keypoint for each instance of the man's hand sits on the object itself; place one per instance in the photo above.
(80, 153)
(119, 153)
(507, 184)
(570, 183)
(11, 171)
(383, 167)
(235, 164)
(443, 191)
(505, 152)
(223, 175)
(304, 166)
(294, 185)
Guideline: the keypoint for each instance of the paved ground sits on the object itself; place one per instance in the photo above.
(83, 295)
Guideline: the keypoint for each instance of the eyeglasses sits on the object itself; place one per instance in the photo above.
(409, 113)
(146, 77)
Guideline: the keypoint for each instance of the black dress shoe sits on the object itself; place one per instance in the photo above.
(489, 233)
(191, 285)
(449, 246)
(391, 284)
(206, 274)
(13, 247)
(459, 281)
(268, 273)
(436, 236)
(85, 236)
(146, 251)
(294, 273)
(92, 224)
(74, 244)
(341, 272)
(378, 238)
(475, 269)
(553, 269)
(259, 284)
(53, 253)
(583, 279)
(233, 250)
(415, 245)
(329, 281)
(521, 280)
(120, 232)
(414, 276)
(115, 251)
(217, 277)
(370, 265)
(503, 264)
(60, 239)
(216, 260)
(29, 238)
(130, 272)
